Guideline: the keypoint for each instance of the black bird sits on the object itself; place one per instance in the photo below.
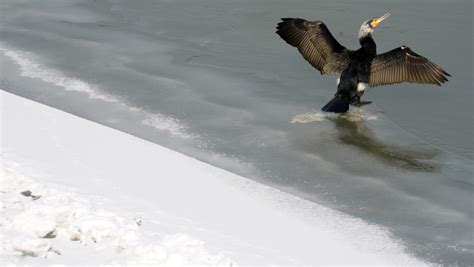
(359, 68)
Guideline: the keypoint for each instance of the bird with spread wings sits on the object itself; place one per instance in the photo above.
(357, 68)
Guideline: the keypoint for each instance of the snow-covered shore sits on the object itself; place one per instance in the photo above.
(76, 192)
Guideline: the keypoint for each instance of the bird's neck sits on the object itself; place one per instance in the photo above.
(368, 44)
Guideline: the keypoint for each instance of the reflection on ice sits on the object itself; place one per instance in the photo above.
(351, 129)
(357, 134)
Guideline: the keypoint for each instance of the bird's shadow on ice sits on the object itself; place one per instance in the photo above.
(358, 135)
(351, 131)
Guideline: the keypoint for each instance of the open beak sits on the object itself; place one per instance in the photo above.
(375, 22)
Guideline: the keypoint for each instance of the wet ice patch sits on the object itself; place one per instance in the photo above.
(309, 117)
(166, 123)
(358, 116)
(32, 69)
(39, 229)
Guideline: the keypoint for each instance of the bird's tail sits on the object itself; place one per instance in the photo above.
(339, 104)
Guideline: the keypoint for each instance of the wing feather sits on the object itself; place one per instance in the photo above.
(315, 43)
(403, 65)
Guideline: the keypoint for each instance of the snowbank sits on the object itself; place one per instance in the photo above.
(38, 220)
(77, 192)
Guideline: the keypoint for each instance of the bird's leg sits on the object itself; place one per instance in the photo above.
(355, 101)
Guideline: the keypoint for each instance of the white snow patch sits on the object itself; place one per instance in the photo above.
(30, 226)
(32, 69)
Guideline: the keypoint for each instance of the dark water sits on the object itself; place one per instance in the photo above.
(211, 79)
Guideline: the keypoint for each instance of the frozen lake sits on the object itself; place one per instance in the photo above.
(211, 79)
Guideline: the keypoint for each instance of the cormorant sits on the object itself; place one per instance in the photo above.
(359, 68)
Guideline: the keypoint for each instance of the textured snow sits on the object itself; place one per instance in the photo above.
(77, 192)
(32, 226)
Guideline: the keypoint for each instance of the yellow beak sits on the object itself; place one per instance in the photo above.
(375, 22)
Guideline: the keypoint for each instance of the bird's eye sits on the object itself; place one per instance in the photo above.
(374, 23)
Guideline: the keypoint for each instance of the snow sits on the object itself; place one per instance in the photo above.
(76, 192)
(30, 226)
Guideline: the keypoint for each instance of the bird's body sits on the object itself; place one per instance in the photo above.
(355, 78)
(357, 69)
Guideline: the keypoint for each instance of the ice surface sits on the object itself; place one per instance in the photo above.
(31, 69)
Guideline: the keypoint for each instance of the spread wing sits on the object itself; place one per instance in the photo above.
(316, 43)
(403, 65)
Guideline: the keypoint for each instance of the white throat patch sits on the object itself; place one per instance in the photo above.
(365, 30)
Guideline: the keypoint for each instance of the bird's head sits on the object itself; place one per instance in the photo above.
(370, 25)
